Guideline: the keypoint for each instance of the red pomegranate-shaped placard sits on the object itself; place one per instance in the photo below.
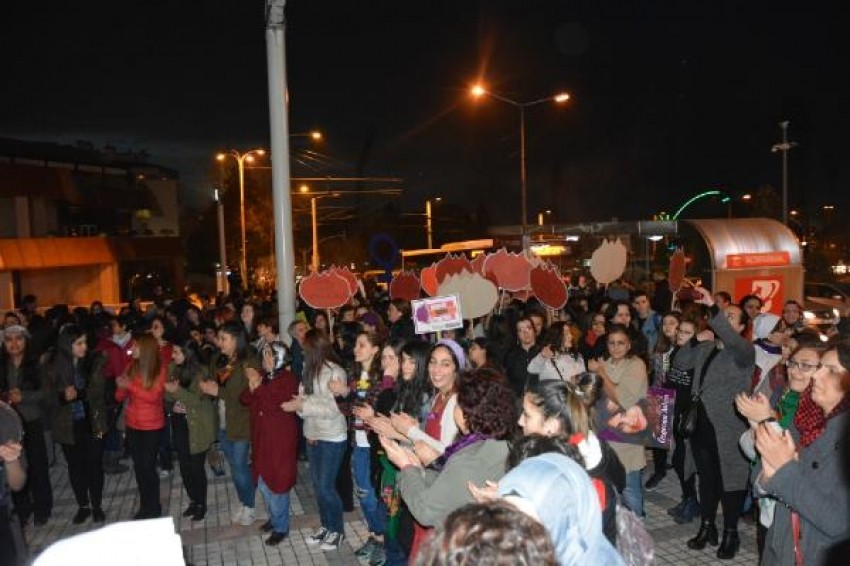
(677, 270)
(324, 290)
(512, 271)
(450, 265)
(477, 264)
(346, 274)
(428, 280)
(405, 286)
(548, 287)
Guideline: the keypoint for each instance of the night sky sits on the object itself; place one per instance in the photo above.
(669, 99)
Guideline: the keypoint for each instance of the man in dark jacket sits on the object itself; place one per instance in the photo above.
(520, 355)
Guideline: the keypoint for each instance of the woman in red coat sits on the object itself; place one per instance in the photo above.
(143, 385)
(274, 437)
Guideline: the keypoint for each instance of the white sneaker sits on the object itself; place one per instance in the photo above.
(317, 537)
(237, 516)
(248, 516)
(332, 541)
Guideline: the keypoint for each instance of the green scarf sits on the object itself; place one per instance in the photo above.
(787, 408)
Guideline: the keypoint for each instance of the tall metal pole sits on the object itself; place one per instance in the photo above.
(522, 177)
(315, 234)
(428, 228)
(243, 266)
(281, 178)
(221, 276)
(784, 147)
(784, 126)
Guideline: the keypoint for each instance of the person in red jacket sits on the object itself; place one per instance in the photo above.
(274, 437)
(143, 385)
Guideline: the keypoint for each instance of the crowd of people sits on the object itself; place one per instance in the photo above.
(483, 442)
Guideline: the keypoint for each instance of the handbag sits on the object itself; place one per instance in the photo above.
(689, 421)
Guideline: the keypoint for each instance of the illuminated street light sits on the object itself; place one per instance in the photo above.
(314, 135)
(241, 158)
(479, 91)
(428, 229)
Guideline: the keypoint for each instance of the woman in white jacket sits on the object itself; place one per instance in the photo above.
(559, 358)
(326, 432)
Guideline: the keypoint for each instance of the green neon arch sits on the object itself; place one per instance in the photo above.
(724, 198)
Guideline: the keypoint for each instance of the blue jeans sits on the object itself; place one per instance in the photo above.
(325, 459)
(278, 506)
(236, 452)
(373, 509)
(633, 492)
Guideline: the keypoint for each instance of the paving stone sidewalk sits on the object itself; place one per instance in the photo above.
(216, 542)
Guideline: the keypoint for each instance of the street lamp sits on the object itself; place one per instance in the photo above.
(540, 216)
(221, 276)
(241, 158)
(314, 135)
(784, 147)
(428, 228)
(478, 91)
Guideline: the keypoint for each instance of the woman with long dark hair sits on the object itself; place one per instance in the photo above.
(143, 385)
(22, 385)
(193, 426)
(661, 359)
(74, 395)
(234, 436)
(325, 430)
(365, 382)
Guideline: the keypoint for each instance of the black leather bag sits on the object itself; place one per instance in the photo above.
(689, 421)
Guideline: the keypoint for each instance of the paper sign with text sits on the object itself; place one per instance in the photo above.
(436, 313)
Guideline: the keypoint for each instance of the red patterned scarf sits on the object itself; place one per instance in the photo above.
(809, 419)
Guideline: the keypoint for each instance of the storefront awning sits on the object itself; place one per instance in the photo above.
(41, 253)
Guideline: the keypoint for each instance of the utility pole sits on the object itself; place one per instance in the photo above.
(784, 147)
(281, 199)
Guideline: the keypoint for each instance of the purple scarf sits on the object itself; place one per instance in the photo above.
(456, 447)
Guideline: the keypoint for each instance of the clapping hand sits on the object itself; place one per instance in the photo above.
(776, 448)
(400, 457)
(382, 425)
(338, 388)
(488, 492)
(293, 405)
(209, 387)
(10, 451)
(425, 452)
(71, 392)
(254, 378)
(403, 422)
(363, 412)
(755, 408)
(171, 386)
